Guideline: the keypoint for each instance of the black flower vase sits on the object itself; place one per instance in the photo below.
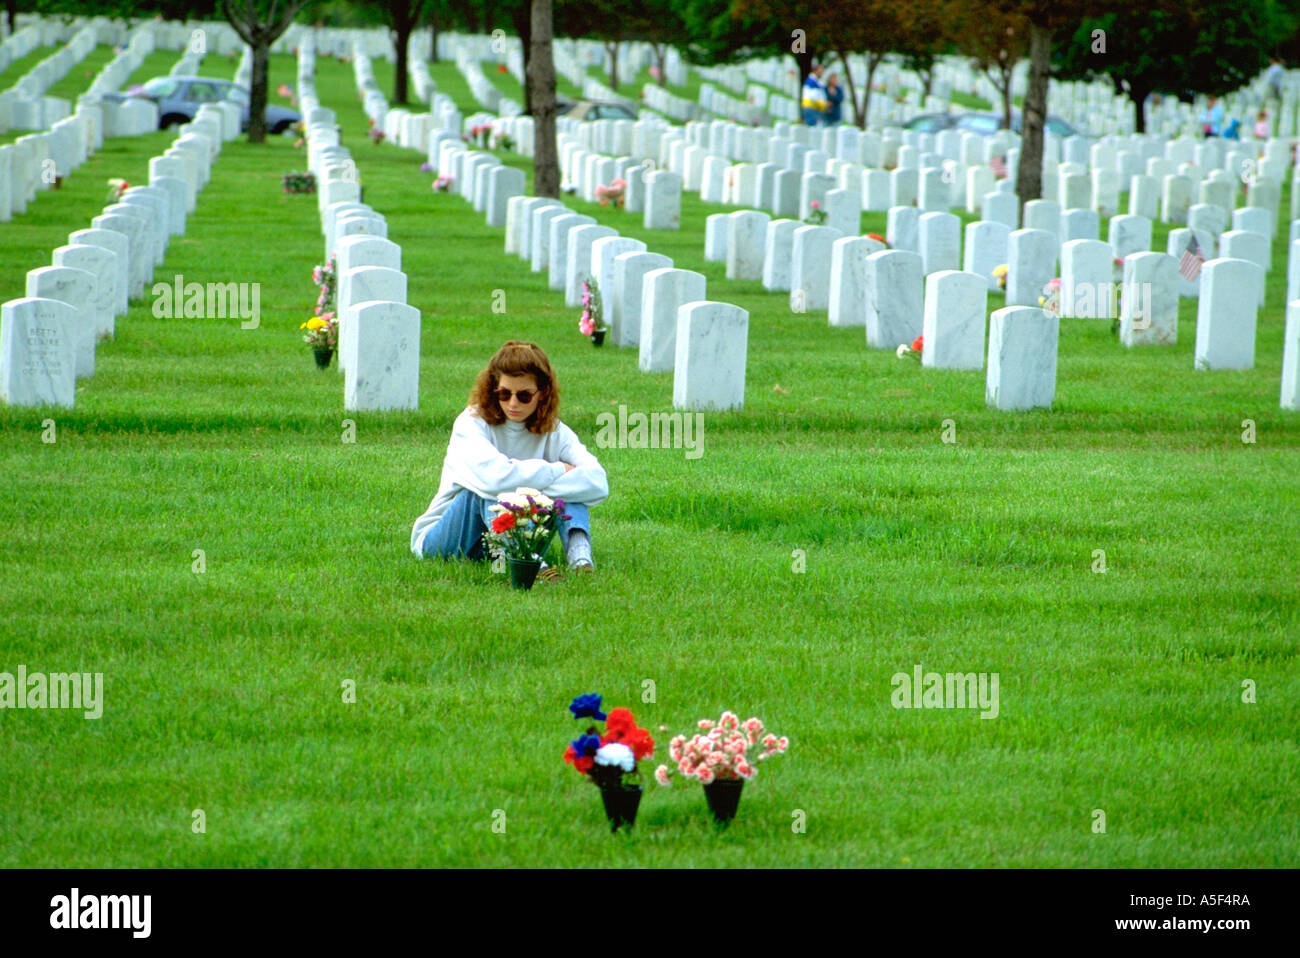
(523, 572)
(323, 356)
(723, 796)
(621, 803)
(598, 338)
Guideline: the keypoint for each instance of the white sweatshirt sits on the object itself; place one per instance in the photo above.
(489, 460)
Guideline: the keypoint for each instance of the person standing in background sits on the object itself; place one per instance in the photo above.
(814, 101)
(1262, 127)
(1212, 117)
(834, 100)
(1274, 77)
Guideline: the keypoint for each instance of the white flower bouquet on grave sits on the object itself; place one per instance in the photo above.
(526, 520)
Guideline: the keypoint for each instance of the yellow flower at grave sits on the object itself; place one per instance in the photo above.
(313, 324)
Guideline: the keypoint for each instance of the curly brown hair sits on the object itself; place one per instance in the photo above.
(517, 358)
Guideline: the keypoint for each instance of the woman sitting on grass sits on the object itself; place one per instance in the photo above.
(510, 436)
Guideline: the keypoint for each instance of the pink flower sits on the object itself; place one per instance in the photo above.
(705, 724)
(782, 744)
(675, 748)
(705, 775)
(619, 184)
(752, 725)
(769, 740)
(1054, 283)
(585, 325)
(815, 205)
(729, 721)
(746, 771)
(712, 759)
(661, 775)
(686, 768)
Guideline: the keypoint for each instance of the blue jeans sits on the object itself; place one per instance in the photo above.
(459, 530)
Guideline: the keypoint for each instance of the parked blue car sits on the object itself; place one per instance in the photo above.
(179, 99)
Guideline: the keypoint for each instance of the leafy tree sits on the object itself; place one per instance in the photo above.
(1211, 46)
(995, 41)
(260, 23)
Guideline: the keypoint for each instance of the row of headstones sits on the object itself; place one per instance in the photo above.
(378, 331)
(861, 283)
(647, 304)
(130, 118)
(48, 339)
(35, 161)
(24, 106)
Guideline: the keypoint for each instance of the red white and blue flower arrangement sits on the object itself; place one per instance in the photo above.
(609, 759)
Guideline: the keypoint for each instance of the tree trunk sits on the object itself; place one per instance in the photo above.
(1029, 181)
(541, 78)
(860, 111)
(1138, 94)
(257, 95)
(1006, 99)
(927, 81)
(611, 48)
(11, 7)
(401, 34)
(433, 37)
(661, 54)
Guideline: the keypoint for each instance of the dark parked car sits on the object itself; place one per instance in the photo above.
(594, 110)
(179, 99)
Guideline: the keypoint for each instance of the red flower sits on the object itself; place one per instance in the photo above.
(916, 344)
(640, 742)
(503, 522)
(583, 764)
(877, 237)
(620, 722)
(501, 68)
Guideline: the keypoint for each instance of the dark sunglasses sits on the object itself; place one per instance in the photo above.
(525, 395)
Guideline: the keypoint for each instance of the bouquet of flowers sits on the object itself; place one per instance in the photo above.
(322, 332)
(592, 320)
(376, 134)
(816, 215)
(1000, 274)
(1051, 298)
(879, 239)
(442, 184)
(608, 759)
(296, 182)
(614, 193)
(116, 187)
(526, 520)
(500, 140)
(913, 351)
(478, 134)
(725, 750)
(325, 276)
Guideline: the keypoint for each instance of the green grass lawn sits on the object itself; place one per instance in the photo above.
(1119, 691)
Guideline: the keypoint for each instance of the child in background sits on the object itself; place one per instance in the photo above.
(1262, 127)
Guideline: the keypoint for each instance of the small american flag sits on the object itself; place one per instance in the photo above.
(1193, 258)
(999, 164)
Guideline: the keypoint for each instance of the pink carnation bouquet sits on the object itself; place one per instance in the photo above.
(727, 749)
